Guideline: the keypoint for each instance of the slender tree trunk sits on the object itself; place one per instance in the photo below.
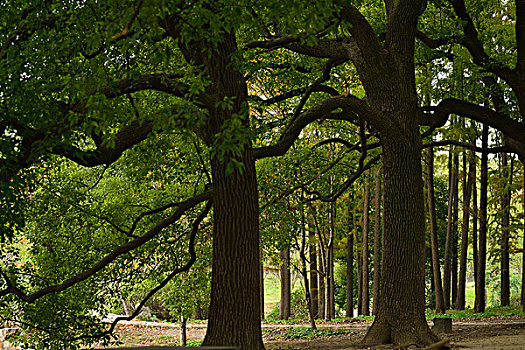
(479, 304)
(321, 295)
(377, 240)
(454, 262)
(434, 245)
(523, 253)
(359, 263)
(182, 336)
(467, 192)
(284, 310)
(350, 261)
(475, 218)
(304, 272)
(366, 277)
(401, 308)
(505, 222)
(330, 295)
(449, 240)
(261, 278)
(313, 273)
(234, 313)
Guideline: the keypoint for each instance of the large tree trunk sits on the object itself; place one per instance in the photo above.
(313, 273)
(401, 305)
(377, 241)
(234, 314)
(284, 311)
(434, 245)
(505, 222)
(479, 303)
(467, 191)
(350, 261)
(364, 264)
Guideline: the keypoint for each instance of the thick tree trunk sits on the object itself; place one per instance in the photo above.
(350, 261)
(467, 191)
(449, 240)
(479, 303)
(234, 318)
(505, 222)
(434, 245)
(377, 241)
(234, 314)
(364, 264)
(401, 305)
(313, 273)
(284, 311)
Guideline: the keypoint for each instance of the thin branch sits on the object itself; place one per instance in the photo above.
(137, 242)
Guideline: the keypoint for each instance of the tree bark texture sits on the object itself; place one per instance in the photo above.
(284, 310)
(467, 193)
(434, 245)
(479, 303)
(401, 308)
(234, 314)
(505, 223)
(377, 240)
(350, 261)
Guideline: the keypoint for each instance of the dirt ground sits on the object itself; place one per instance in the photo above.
(488, 333)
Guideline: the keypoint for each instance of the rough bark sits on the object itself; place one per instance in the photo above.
(364, 254)
(479, 303)
(434, 246)
(467, 192)
(401, 308)
(284, 309)
(350, 261)
(505, 222)
(234, 314)
(377, 241)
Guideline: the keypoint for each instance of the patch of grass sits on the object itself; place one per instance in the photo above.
(308, 333)
(469, 313)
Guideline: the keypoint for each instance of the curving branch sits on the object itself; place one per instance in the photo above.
(123, 249)
(184, 268)
(351, 106)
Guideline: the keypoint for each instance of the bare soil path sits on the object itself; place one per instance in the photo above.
(487, 333)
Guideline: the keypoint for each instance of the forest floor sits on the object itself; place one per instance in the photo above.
(487, 333)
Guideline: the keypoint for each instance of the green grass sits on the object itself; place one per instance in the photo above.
(308, 333)
(469, 313)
